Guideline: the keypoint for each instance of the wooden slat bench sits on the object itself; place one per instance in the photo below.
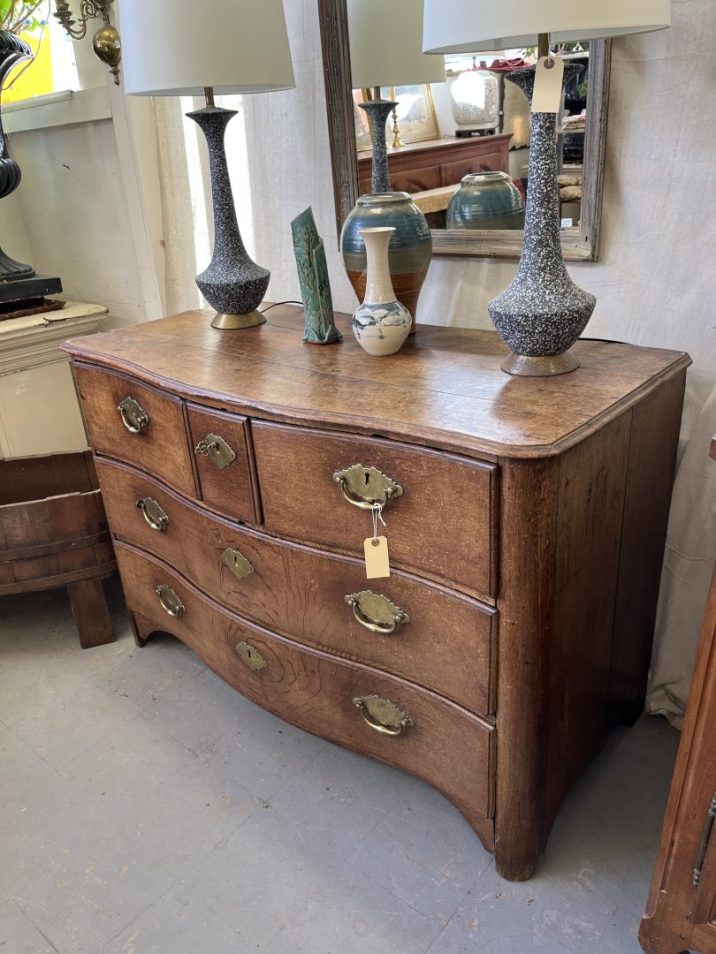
(53, 532)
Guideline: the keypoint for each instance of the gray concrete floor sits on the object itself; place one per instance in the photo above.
(146, 808)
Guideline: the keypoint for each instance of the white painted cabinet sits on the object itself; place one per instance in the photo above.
(39, 412)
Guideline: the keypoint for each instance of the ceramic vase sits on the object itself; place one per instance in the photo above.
(13, 50)
(486, 200)
(543, 312)
(381, 324)
(411, 247)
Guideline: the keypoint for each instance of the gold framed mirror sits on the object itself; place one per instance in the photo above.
(579, 242)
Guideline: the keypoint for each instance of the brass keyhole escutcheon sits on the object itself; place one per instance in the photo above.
(237, 563)
(251, 656)
(366, 486)
(216, 449)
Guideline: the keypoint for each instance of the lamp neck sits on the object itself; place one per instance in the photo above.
(543, 44)
(209, 94)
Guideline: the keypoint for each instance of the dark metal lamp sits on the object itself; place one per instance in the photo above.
(237, 46)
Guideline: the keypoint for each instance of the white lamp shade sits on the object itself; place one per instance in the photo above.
(386, 39)
(470, 26)
(179, 47)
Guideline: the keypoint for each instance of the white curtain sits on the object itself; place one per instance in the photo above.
(688, 562)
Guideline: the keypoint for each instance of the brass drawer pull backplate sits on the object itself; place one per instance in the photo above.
(170, 602)
(376, 612)
(237, 563)
(216, 449)
(365, 486)
(251, 657)
(133, 415)
(155, 516)
(382, 715)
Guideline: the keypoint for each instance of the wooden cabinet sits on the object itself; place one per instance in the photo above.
(525, 517)
(439, 162)
(681, 911)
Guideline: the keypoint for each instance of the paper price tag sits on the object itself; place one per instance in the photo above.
(377, 561)
(547, 95)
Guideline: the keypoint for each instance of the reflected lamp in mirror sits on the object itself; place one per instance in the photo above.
(475, 101)
(543, 312)
(386, 51)
(236, 46)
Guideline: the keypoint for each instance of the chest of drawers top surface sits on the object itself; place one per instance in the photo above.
(444, 389)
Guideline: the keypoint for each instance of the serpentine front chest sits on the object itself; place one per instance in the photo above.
(525, 518)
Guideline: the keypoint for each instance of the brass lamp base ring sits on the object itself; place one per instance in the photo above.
(540, 367)
(234, 322)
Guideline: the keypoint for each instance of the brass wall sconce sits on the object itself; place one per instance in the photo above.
(106, 42)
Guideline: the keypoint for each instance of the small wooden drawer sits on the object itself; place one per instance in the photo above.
(220, 445)
(136, 423)
(439, 741)
(440, 518)
(440, 639)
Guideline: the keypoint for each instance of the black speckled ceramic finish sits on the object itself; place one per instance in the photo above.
(233, 284)
(543, 312)
(378, 111)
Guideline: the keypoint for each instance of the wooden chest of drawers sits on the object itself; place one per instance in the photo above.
(525, 517)
(439, 162)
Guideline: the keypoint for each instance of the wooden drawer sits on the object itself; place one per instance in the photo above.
(453, 172)
(446, 645)
(419, 179)
(447, 746)
(159, 447)
(441, 526)
(224, 483)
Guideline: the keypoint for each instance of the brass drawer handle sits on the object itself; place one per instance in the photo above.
(153, 513)
(237, 563)
(133, 415)
(251, 657)
(382, 715)
(365, 486)
(170, 601)
(376, 612)
(216, 449)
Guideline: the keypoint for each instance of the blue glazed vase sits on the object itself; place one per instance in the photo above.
(486, 200)
(411, 246)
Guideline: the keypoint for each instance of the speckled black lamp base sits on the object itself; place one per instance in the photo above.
(233, 284)
(543, 312)
(378, 111)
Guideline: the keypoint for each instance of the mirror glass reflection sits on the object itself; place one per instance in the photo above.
(461, 147)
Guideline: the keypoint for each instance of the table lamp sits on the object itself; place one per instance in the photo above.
(386, 50)
(228, 46)
(543, 312)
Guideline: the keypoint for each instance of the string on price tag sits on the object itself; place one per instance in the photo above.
(377, 560)
(547, 94)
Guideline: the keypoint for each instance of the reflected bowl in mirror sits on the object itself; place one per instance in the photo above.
(410, 250)
(486, 200)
